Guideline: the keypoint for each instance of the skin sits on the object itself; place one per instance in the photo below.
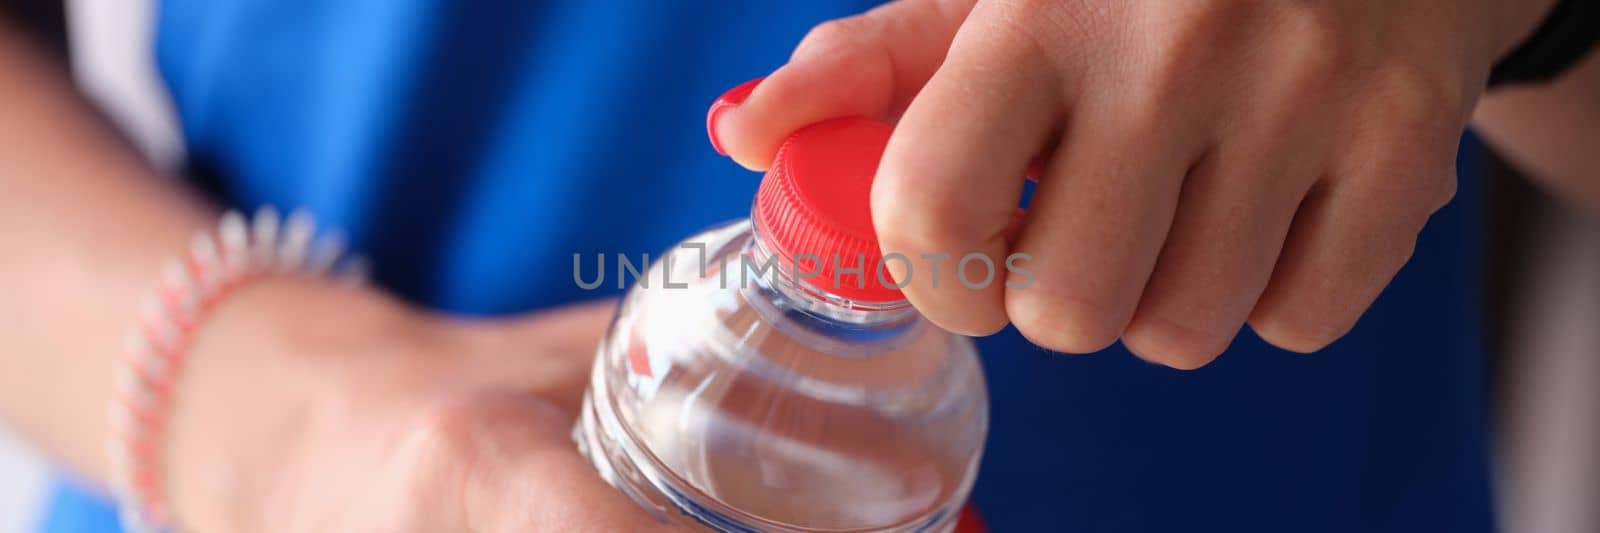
(1551, 132)
(305, 405)
(387, 418)
(1208, 163)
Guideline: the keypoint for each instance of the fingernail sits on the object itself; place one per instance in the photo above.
(727, 101)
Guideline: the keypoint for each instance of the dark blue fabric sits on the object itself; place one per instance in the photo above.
(472, 147)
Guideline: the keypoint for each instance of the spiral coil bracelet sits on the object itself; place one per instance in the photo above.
(217, 262)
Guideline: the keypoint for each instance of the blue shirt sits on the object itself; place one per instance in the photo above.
(472, 147)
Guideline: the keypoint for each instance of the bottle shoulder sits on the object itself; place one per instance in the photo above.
(738, 389)
(706, 300)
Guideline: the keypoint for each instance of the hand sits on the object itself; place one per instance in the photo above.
(310, 407)
(1207, 163)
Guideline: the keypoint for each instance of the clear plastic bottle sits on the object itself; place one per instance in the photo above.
(731, 397)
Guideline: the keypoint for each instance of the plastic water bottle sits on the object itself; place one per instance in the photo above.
(767, 375)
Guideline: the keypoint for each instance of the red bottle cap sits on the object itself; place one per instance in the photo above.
(815, 205)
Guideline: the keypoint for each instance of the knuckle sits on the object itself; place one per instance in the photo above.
(1297, 333)
(1418, 100)
(835, 34)
(1195, 35)
(1318, 33)
(1072, 14)
(469, 424)
(1395, 249)
(1167, 343)
(1040, 27)
(1030, 7)
(934, 223)
(972, 324)
(1431, 189)
(1171, 66)
(1306, 318)
(1061, 324)
(1319, 64)
(1405, 185)
(1054, 337)
(1445, 191)
(954, 233)
(459, 434)
(445, 430)
(1144, 108)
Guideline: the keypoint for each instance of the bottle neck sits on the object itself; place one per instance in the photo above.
(809, 303)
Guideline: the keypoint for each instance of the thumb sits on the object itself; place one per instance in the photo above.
(518, 469)
(868, 65)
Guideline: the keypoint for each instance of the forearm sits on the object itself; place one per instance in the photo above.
(85, 226)
(1551, 132)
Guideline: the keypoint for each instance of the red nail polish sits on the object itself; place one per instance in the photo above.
(728, 100)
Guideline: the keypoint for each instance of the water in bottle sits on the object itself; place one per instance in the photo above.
(767, 375)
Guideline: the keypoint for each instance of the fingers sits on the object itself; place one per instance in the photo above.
(1359, 226)
(1347, 242)
(952, 175)
(1235, 211)
(515, 468)
(1096, 227)
(1236, 207)
(1193, 188)
(867, 65)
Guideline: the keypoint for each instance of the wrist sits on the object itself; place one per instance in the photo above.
(276, 367)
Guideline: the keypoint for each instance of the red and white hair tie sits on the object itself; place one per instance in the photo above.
(218, 261)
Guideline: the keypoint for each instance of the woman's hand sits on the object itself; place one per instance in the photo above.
(314, 407)
(1206, 163)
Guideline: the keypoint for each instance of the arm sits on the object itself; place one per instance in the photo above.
(85, 225)
(1551, 131)
(305, 405)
